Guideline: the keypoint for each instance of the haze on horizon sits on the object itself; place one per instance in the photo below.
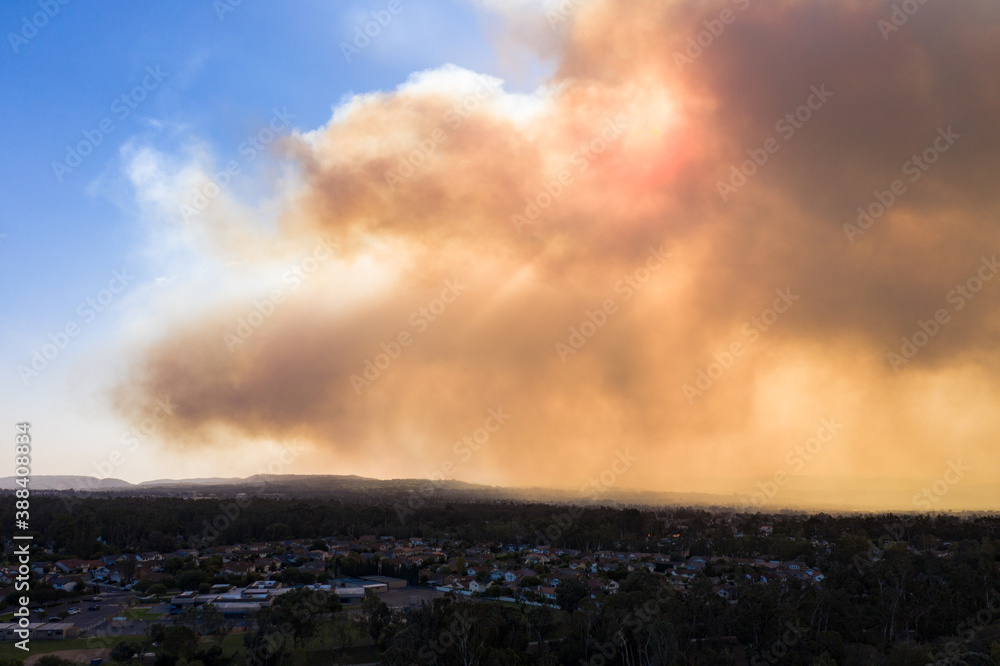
(683, 267)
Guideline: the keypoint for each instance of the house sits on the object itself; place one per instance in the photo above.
(455, 582)
(723, 591)
(143, 572)
(535, 558)
(267, 565)
(72, 566)
(65, 583)
(697, 562)
(238, 568)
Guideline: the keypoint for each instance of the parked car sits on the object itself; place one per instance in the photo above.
(73, 611)
(54, 619)
(95, 607)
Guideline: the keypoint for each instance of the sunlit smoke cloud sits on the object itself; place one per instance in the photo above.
(545, 208)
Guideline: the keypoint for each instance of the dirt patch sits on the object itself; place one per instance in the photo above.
(80, 655)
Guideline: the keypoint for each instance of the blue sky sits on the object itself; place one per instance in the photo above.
(87, 75)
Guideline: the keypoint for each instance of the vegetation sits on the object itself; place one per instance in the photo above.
(894, 589)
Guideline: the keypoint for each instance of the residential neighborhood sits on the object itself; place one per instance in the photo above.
(240, 578)
(709, 587)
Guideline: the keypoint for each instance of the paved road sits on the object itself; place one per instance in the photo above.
(112, 603)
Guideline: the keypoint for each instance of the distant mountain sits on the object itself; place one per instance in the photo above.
(798, 494)
(211, 481)
(407, 492)
(66, 483)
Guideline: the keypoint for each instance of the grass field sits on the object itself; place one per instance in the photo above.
(317, 651)
(142, 614)
(8, 651)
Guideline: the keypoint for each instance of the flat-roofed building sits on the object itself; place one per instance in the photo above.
(365, 584)
(390, 582)
(41, 631)
(349, 596)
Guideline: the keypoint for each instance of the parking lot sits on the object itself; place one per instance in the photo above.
(112, 604)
